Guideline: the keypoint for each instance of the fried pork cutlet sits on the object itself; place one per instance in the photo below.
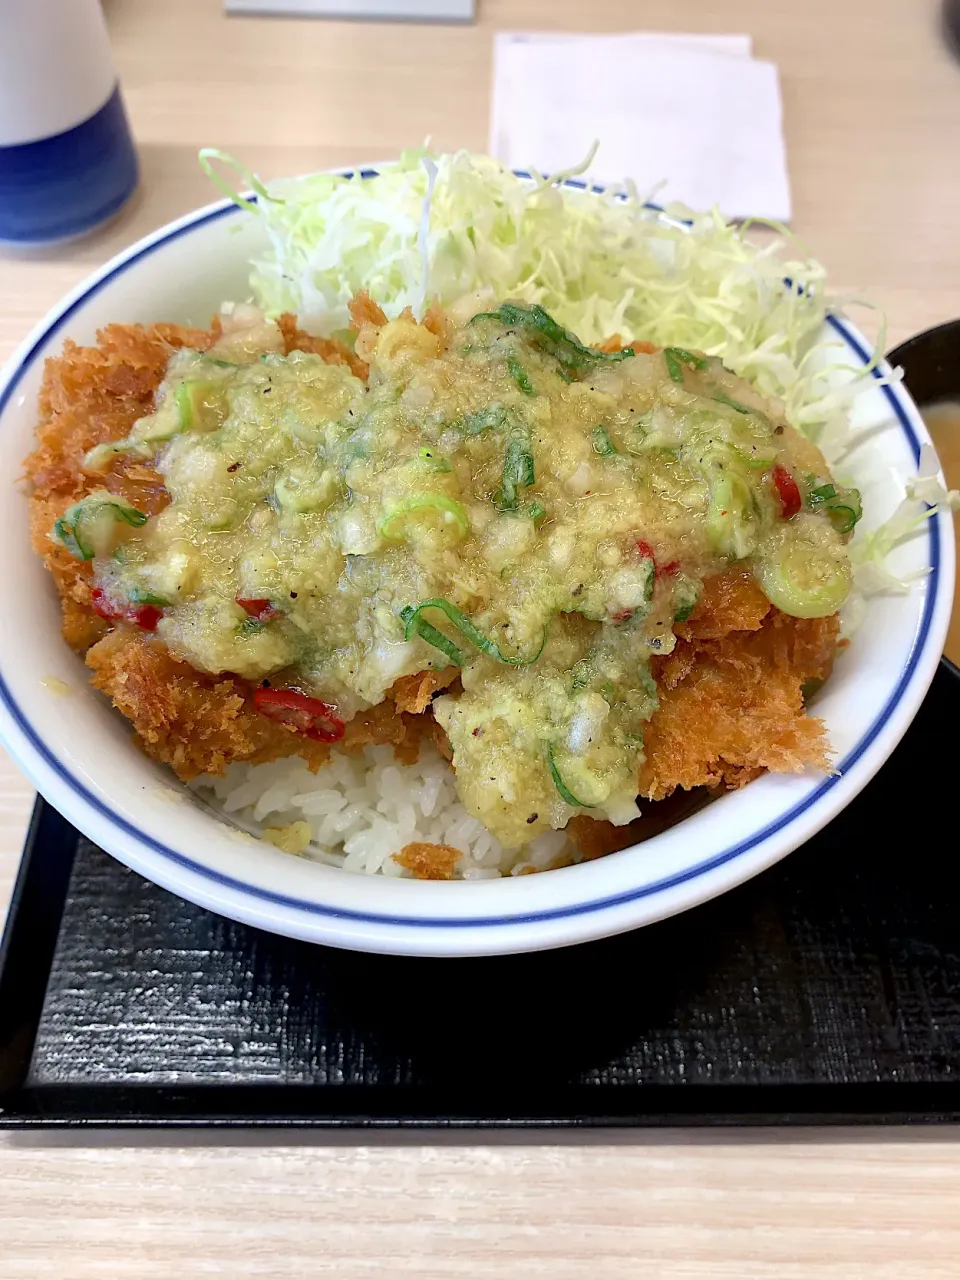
(199, 724)
(731, 693)
(91, 395)
(731, 702)
(194, 722)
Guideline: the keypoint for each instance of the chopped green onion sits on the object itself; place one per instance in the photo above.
(677, 357)
(432, 636)
(580, 675)
(250, 627)
(536, 511)
(101, 455)
(183, 398)
(451, 511)
(493, 417)
(415, 624)
(730, 524)
(525, 469)
(192, 399)
(558, 342)
(689, 357)
(435, 461)
(147, 432)
(518, 472)
(86, 528)
(686, 593)
(804, 580)
(139, 596)
(521, 377)
(732, 404)
(844, 515)
(820, 495)
(755, 456)
(64, 532)
(842, 507)
(602, 443)
(565, 793)
(299, 491)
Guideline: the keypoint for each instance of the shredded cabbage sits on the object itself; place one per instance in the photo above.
(926, 496)
(453, 225)
(457, 226)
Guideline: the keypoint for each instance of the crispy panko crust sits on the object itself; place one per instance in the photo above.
(364, 311)
(414, 693)
(438, 322)
(427, 861)
(334, 352)
(194, 722)
(731, 706)
(731, 701)
(199, 724)
(731, 693)
(91, 395)
(615, 343)
(728, 602)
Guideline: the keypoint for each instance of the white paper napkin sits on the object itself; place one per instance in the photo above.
(738, 45)
(696, 111)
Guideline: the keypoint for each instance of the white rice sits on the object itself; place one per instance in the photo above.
(363, 809)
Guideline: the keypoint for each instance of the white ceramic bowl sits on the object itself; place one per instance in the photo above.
(79, 753)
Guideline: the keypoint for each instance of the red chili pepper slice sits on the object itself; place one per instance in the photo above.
(646, 551)
(309, 716)
(261, 610)
(788, 491)
(146, 616)
(659, 570)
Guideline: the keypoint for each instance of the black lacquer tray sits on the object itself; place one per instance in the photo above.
(827, 990)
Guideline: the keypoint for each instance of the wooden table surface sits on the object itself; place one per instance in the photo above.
(872, 104)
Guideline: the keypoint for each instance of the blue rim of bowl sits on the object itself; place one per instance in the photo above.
(476, 922)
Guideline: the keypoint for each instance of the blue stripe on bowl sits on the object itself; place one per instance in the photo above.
(482, 922)
(62, 186)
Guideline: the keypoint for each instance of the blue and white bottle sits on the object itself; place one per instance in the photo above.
(67, 160)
